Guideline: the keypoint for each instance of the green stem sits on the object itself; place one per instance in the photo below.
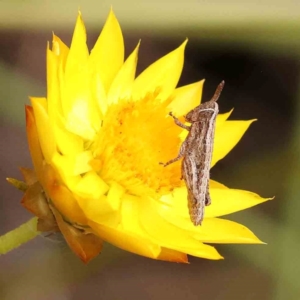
(18, 236)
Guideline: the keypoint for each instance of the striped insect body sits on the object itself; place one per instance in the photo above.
(196, 153)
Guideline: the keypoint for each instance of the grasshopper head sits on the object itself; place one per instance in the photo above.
(207, 109)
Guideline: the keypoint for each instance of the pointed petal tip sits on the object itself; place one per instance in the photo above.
(176, 260)
(31, 98)
(173, 256)
(267, 199)
(111, 11)
(29, 115)
(249, 121)
(255, 241)
(183, 262)
(28, 107)
(20, 185)
(230, 112)
(55, 38)
(111, 15)
(183, 45)
(137, 47)
(79, 18)
(216, 257)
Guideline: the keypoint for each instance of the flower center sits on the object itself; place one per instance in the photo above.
(135, 137)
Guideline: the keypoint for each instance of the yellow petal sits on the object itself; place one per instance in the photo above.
(60, 49)
(216, 185)
(114, 195)
(33, 142)
(175, 203)
(100, 211)
(214, 230)
(91, 186)
(56, 60)
(227, 136)
(73, 164)
(105, 209)
(173, 256)
(65, 169)
(99, 94)
(130, 212)
(122, 84)
(78, 54)
(221, 118)
(162, 232)
(186, 98)
(44, 128)
(170, 236)
(53, 92)
(126, 240)
(203, 251)
(107, 55)
(62, 197)
(79, 107)
(127, 233)
(68, 143)
(162, 74)
(226, 201)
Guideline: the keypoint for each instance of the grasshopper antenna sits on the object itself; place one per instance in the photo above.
(218, 91)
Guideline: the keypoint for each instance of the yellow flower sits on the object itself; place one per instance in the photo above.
(96, 143)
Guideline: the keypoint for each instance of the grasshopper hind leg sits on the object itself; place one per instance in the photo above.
(207, 199)
(179, 156)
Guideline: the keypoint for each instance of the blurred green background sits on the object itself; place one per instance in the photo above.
(255, 47)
